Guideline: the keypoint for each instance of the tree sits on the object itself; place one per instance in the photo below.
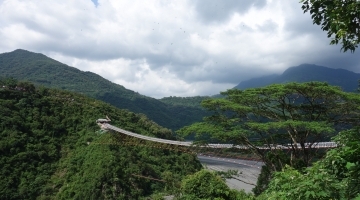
(340, 18)
(334, 177)
(344, 162)
(292, 116)
(8, 82)
(207, 185)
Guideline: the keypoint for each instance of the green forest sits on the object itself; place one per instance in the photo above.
(185, 101)
(51, 148)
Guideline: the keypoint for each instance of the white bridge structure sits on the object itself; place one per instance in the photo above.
(104, 124)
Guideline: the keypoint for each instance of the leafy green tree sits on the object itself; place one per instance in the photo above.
(344, 162)
(207, 185)
(340, 18)
(8, 82)
(185, 101)
(292, 184)
(334, 177)
(296, 116)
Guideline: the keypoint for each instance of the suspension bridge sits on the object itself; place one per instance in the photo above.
(250, 169)
(104, 124)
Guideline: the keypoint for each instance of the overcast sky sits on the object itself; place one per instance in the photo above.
(171, 47)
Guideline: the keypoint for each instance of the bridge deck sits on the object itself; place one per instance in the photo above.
(180, 143)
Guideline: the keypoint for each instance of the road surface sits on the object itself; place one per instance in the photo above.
(249, 170)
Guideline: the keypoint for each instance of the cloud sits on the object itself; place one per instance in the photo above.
(219, 11)
(139, 77)
(171, 48)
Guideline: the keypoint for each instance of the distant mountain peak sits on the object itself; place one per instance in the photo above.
(312, 67)
(22, 51)
(257, 82)
(346, 79)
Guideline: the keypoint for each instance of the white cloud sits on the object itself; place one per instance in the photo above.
(162, 48)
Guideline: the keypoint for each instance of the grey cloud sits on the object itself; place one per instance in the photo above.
(268, 26)
(176, 57)
(156, 48)
(217, 11)
(223, 71)
(302, 25)
(172, 62)
(186, 63)
(320, 52)
(168, 46)
(334, 59)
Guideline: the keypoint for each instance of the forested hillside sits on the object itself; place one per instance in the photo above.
(185, 101)
(51, 148)
(42, 70)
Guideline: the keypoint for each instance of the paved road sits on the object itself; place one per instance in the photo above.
(249, 170)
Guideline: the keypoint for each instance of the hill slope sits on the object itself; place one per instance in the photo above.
(347, 80)
(185, 101)
(42, 70)
(51, 148)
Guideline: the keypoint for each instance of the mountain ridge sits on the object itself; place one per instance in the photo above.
(169, 112)
(42, 70)
(343, 78)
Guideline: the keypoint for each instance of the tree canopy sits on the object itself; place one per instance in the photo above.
(334, 177)
(293, 115)
(340, 18)
(296, 116)
(207, 185)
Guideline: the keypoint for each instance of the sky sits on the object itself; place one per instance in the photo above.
(163, 48)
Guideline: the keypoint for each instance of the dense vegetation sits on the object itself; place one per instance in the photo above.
(292, 115)
(51, 148)
(208, 185)
(334, 177)
(41, 70)
(184, 101)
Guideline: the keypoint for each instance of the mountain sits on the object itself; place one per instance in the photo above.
(42, 70)
(257, 82)
(347, 80)
(184, 101)
(51, 148)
